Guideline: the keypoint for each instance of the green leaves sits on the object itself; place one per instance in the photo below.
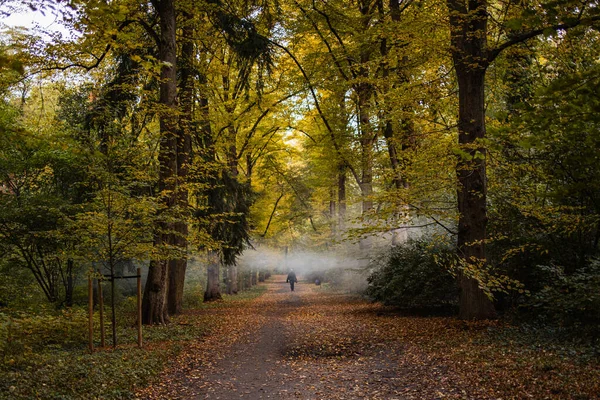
(514, 24)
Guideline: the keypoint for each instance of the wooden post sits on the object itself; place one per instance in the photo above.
(91, 313)
(101, 304)
(139, 306)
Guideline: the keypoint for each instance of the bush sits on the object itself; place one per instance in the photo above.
(18, 290)
(568, 300)
(410, 276)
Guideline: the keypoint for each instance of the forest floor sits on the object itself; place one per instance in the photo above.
(317, 344)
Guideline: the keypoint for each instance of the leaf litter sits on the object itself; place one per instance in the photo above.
(317, 344)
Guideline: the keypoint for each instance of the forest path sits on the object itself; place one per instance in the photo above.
(306, 344)
(317, 344)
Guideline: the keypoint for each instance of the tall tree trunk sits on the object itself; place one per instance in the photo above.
(472, 191)
(332, 207)
(249, 279)
(178, 266)
(232, 166)
(341, 199)
(388, 130)
(205, 142)
(469, 32)
(366, 145)
(232, 279)
(364, 93)
(242, 281)
(213, 284)
(154, 307)
(400, 139)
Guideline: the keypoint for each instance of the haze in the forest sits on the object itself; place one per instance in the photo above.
(434, 157)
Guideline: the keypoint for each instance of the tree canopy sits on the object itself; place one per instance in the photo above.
(162, 131)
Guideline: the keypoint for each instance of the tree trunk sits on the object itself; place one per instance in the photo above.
(364, 92)
(113, 308)
(69, 284)
(367, 136)
(232, 279)
(332, 207)
(249, 279)
(366, 145)
(154, 308)
(213, 285)
(242, 281)
(341, 199)
(177, 267)
(232, 165)
(95, 295)
(249, 165)
(469, 32)
(154, 302)
(472, 191)
(388, 126)
(400, 138)
(177, 270)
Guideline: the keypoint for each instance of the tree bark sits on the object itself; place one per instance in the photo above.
(332, 207)
(366, 144)
(469, 44)
(205, 142)
(388, 130)
(232, 165)
(213, 287)
(248, 279)
(397, 139)
(341, 199)
(472, 192)
(154, 307)
(177, 267)
(232, 279)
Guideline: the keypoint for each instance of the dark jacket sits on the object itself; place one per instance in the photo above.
(291, 277)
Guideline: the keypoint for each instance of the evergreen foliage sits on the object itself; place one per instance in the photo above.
(412, 276)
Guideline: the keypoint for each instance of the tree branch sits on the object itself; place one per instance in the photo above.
(272, 214)
(329, 48)
(531, 34)
(318, 107)
(339, 39)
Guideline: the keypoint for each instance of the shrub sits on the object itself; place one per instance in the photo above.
(568, 300)
(409, 276)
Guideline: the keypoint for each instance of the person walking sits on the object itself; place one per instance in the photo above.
(291, 278)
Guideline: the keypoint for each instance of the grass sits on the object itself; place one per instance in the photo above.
(46, 356)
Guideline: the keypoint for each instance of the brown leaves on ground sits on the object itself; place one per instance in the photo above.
(313, 344)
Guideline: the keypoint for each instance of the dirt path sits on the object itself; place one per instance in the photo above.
(314, 344)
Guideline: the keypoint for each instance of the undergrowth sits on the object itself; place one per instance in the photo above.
(45, 356)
